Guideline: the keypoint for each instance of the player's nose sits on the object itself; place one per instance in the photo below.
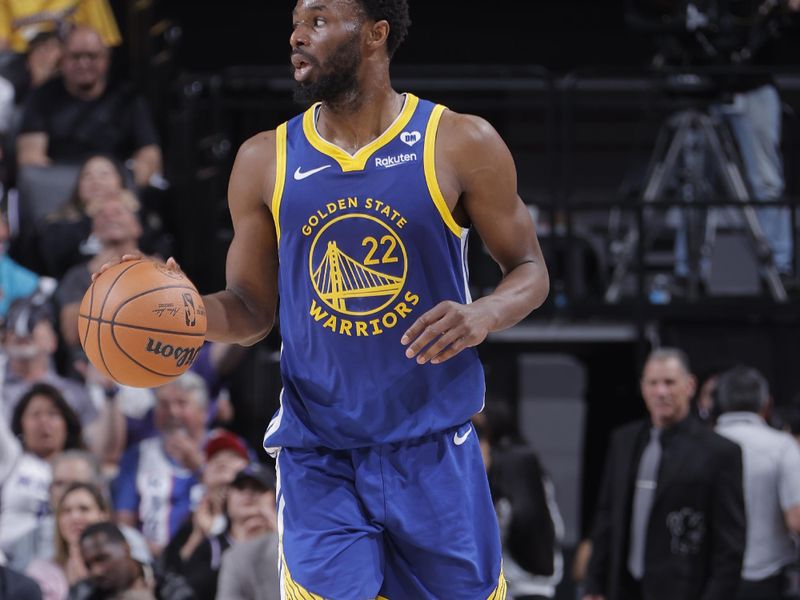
(299, 37)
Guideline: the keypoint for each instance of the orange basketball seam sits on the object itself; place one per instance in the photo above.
(102, 308)
(91, 306)
(140, 327)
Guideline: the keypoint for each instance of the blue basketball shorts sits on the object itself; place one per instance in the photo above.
(403, 521)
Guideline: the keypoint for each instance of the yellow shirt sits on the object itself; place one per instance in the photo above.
(21, 20)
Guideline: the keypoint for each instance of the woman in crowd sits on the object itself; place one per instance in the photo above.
(42, 425)
(81, 505)
(65, 237)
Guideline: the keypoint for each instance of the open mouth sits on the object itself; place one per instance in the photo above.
(301, 67)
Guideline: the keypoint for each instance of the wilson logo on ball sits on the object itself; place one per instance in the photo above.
(182, 356)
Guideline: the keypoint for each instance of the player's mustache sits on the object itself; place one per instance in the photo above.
(307, 57)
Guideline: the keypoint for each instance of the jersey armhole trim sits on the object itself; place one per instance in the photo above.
(280, 177)
(430, 171)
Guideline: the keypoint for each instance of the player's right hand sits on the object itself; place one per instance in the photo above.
(105, 266)
(171, 263)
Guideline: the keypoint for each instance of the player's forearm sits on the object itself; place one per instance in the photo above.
(231, 319)
(521, 291)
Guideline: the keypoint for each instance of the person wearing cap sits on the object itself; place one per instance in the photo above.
(30, 344)
(226, 454)
(250, 511)
(249, 569)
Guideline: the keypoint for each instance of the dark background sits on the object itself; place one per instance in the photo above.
(558, 34)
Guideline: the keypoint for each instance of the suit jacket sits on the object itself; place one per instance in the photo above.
(696, 533)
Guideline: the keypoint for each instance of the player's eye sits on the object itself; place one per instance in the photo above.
(319, 22)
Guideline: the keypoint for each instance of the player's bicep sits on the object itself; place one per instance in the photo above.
(488, 178)
(251, 267)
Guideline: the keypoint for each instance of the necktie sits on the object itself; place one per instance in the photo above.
(643, 495)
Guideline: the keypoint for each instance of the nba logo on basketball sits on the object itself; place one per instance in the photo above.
(188, 309)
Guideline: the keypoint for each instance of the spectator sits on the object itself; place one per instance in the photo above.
(524, 498)
(30, 344)
(15, 281)
(152, 490)
(81, 505)
(69, 467)
(27, 72)
(674, 527)
(249, 569)
(250, 508)
(43, 425)
(117, 230)
(65, 237)
(113, 568)
(226, 454)
(771, 468)
(80, 114)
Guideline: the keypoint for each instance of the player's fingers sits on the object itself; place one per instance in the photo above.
(106, 266)
(103, 268)
(424, 330)
(429, 335)
(450, 351)
(438, 345)
(173, 264)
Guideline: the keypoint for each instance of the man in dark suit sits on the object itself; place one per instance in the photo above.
(670, 521)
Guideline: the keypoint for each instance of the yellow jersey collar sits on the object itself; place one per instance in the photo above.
(357, 161)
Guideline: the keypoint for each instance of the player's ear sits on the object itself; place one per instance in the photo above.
(378, 34)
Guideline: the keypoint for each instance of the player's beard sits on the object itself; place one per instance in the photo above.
(336, 82)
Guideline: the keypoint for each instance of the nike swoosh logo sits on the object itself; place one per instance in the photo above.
(299, 175)
(460, 439)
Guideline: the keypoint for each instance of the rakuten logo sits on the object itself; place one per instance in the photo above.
(395, 161)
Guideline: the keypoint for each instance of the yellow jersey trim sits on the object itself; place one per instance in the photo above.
(430, 171)
(356, 162)
(280, 176)
(501, 590)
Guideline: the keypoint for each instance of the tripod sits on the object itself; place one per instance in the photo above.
(689, 144)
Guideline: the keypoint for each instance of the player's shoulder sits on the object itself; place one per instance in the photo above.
(465, 127)
(468, 137)
(259, 148)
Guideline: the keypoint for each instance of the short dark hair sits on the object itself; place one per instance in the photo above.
(73, 439)
(107, 528)
(742, 389)
(395, 12)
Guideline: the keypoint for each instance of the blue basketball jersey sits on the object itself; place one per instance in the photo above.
(366, 245)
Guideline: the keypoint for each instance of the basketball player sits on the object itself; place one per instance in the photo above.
(357, 211)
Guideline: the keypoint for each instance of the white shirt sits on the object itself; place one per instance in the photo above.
(24, 497)
(771, 471)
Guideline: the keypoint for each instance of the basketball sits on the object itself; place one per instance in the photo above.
(141, 323)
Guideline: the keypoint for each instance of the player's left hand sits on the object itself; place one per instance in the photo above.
(444, 331)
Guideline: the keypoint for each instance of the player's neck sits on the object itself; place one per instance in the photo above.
(355, 124)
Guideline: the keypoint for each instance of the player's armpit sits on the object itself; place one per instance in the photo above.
(245, 311)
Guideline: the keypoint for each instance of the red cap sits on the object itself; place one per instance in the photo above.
(221, 439)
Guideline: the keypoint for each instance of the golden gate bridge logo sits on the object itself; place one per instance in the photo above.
(363, 285)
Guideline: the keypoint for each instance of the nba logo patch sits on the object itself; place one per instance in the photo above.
(410, 137)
